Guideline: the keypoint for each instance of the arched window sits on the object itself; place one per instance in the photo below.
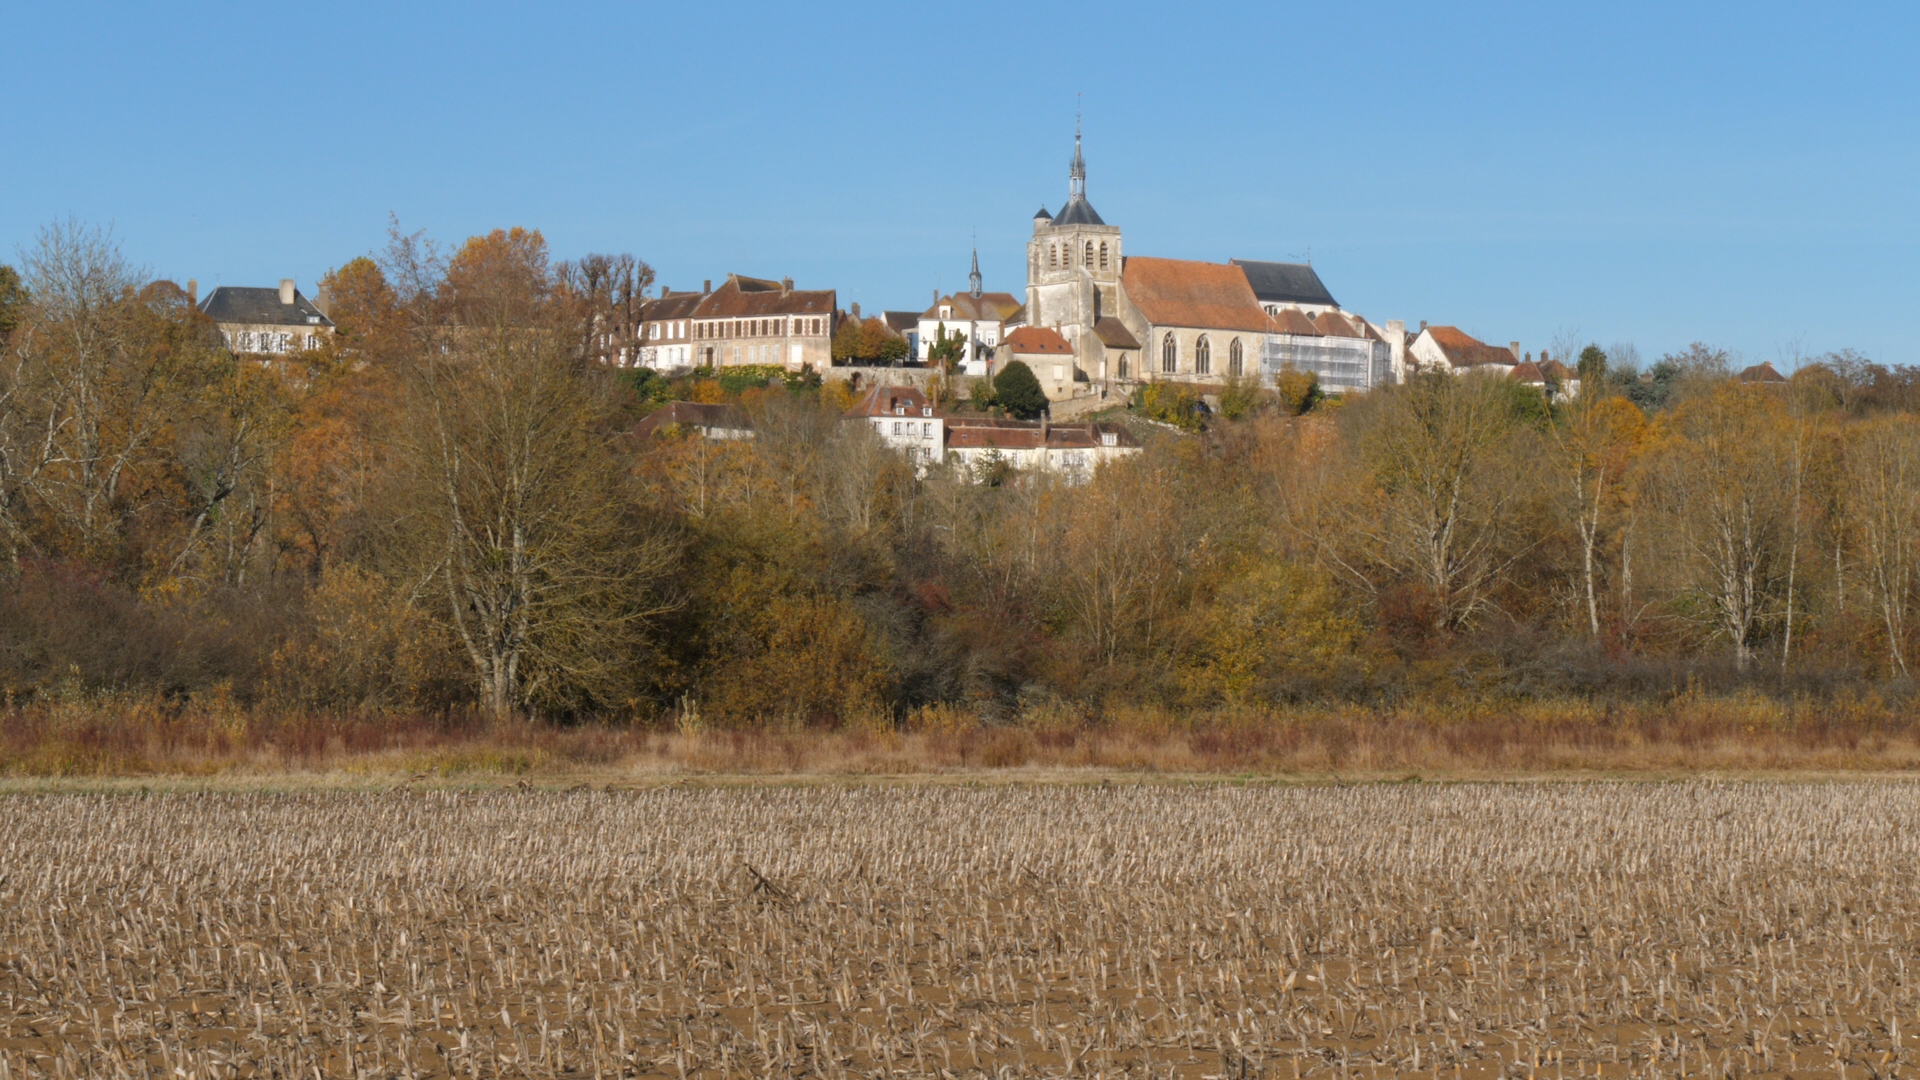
(1202, 357)
(1103, 254)
(1123, 365)
(1089, 254)
(1053, 256)
(1236, 366)
(1169, 355)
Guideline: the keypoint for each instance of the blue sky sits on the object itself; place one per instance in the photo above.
(1745, 175)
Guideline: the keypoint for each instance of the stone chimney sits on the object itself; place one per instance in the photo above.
(286, 291)
(1514, 346)
(786, 285)
(856, 311)
(193, 292)
(706, 286)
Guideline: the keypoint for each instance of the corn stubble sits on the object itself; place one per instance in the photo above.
(1153, 931)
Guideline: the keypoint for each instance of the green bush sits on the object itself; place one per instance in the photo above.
(1017, 390)
(1169, 403)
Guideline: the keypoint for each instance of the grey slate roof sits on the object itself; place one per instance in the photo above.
(1285, 283)
(260, 307)
(1078, 211)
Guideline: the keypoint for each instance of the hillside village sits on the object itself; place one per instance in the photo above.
(1101, 332)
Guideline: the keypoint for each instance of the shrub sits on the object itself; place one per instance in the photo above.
(1017, 390)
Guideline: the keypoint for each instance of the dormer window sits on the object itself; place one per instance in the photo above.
(946, 313)
(1108, 438)
(928, 411)
(899, 410)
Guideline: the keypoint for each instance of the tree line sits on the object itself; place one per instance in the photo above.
(444, 508)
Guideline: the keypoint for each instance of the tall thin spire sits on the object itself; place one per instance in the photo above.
(973, 279)
(1077, 176)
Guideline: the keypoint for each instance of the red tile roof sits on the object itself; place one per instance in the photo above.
(1037, 340)
(972, 433)
(884, 400)
(1762, 372)
(1294, 321)
(1203, 295)
(1464, 350)
(1528, 373)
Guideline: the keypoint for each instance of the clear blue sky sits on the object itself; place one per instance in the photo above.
(1656, 173)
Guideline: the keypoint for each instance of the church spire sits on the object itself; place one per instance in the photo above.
(1077, 176)
(973, 279)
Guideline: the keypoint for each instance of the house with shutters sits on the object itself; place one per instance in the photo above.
(905, 419)
(744, 321)
(977, 317)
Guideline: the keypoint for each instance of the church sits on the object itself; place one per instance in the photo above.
(1134, 319)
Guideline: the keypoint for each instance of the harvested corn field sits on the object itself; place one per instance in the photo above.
(1148, 931)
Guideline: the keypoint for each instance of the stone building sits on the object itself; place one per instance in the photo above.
(266, 321)
(1050, 357)
(745, 321)
(1131, 319)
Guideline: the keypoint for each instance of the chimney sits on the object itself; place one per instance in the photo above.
(1423, 324)
(193, 292)
(706, 286)
(1514, 346)
(786, 285)
(856, 310)
(286, 291)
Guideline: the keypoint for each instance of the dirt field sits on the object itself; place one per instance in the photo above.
(1421, 930)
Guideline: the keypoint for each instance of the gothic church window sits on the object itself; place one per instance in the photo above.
(1123, 367)
(1089, 254)
(1235, 365)
(1203, 357)
(1103, 254)
(1053, 256)
(1169, 355)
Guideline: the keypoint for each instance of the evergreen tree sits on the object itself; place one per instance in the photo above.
(1017, 390)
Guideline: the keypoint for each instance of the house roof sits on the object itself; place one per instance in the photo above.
(1285, 283)
(972, 434)
(885, 400)
(1554, 369)
(1037, 340)
(1464, 350)
(1528, 373)
(901, 321)
(244, 305)
(1337, 324)
(1762, 372)
(670, 306)
(745, 297)
(1114, 334)
(1179, 292)
(693, 414)
(993, 306)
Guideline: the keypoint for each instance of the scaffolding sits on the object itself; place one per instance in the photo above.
(1342, 364)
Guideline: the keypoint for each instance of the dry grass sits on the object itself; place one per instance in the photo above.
(111, 737)
(1541, 931)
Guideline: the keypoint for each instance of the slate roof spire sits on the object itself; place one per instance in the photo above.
(973, 279)
(1078, 210)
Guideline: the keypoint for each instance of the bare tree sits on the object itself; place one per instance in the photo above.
(1883, 503)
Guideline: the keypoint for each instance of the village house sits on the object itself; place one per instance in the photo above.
(265, 321)
(696, 418)
(1049, 356)
(904, 419)
(1073, 451)
(1453, 350)
(977, 317)
(745, 321)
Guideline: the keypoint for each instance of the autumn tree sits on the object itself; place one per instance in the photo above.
(1432, 498)
(518, 509)
(1719, 480)
(1883, 499)
(1596, 443)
